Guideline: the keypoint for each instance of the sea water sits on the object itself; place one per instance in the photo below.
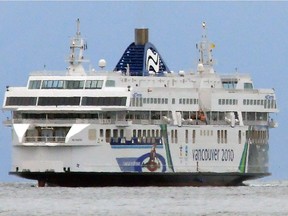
(258, 198)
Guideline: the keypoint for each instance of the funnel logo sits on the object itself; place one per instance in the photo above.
(152, 61)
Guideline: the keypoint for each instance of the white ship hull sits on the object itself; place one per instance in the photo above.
(85, 160)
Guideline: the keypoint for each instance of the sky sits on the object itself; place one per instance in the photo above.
(249, 36)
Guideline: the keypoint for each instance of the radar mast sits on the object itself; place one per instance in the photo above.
(76, 57)
(206, 62)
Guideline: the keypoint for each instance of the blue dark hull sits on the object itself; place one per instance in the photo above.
(93, 179)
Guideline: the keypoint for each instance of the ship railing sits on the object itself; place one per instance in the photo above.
(256, 122)
(48, 73)
(123, 123)
(45, 139)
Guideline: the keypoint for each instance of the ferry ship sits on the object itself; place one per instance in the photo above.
(140, 124)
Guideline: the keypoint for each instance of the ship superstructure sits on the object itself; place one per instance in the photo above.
(140, 124)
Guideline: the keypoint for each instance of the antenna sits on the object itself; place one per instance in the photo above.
(205, 47)
(78, 33)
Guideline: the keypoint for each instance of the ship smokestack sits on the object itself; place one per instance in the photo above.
(141, 36)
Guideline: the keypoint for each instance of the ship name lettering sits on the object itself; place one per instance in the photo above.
(77, 140)
(205, 154)
(213, 155)
(132, 163)
(227, 154)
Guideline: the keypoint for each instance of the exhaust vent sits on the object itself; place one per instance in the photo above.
(141, 36)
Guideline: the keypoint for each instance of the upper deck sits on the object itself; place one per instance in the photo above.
(140, 82)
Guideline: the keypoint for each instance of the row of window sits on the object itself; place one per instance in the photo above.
(21, 101)
(268, 104)
(139, 101)
(147, 133)
(144, 136)
(221, 136)
(227, 101)
(69, 84)
(188, 101)
(66, 101)
(104, 101)
(229, 84)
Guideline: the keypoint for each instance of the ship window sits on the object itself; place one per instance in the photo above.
(172, 136)
(58, 101)
(219, 101)
(34, 84)
(121, 133)
(193, 136)
(176, 136)
(166, 100)
(21, 101)
(99, 84)
(93, 84)
(260, 116)
(104, 101)
(159, 100)
(148, 133)
(180, 101)
(101, 132)
(155, 100)
(229, 84)
(52, 84)
(186, 136)
(157, 133)
(248, 86)
(110, 83)
(250, 116)
(144, 100)
(108, 135)
(74, 84)
(173, 100)
(115, 133)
